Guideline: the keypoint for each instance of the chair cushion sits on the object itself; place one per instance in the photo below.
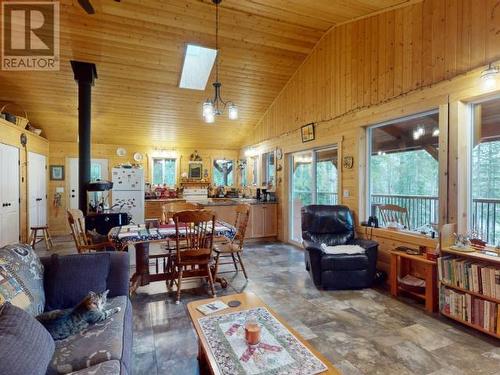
(25, 345)
(226, 248)
(73, 280)
(101, 342)
(344, 262)
(21, 278)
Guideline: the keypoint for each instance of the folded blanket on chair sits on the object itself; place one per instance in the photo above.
(343, 249)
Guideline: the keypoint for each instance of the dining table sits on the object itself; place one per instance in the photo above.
(151, 268)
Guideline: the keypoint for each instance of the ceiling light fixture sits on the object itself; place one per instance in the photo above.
(216, 106)
(489, 76)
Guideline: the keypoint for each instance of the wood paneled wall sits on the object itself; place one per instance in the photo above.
(428, 55)
(372, 60)
(10, 134)
(61, 151)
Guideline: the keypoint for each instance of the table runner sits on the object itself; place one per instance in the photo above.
(278, 353)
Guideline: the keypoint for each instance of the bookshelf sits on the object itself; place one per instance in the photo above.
(469, 289)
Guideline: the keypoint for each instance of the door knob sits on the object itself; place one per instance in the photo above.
(72, 195)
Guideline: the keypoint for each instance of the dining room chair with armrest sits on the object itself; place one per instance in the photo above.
(83, 241)
(234, 247)
(194, 242)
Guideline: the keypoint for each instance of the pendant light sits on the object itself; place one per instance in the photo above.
(217, 106)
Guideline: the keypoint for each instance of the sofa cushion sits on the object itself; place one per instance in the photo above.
(73, 279)
(105, 368)
(98, 343)
(25, 345)
(21, 278)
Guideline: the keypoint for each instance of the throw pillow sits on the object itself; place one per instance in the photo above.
(21, 278)
(25, 345)
(71, 277)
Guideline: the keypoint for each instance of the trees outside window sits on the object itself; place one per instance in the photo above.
(485, 171)
(164, 171)
(404, 168)
(223, 173)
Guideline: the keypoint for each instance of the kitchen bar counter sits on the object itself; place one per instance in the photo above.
(153, 207)
(231, 202)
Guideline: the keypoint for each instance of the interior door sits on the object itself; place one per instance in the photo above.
(37, 189)
(98, 171)
(9, 195)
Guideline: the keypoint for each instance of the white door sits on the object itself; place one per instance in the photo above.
(37, 189)
(9, 195)
(98, 171)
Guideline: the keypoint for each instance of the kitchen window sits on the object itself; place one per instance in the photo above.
(223, 172)
(268, 169)
(164, 171)
(403, 172)
(484, 176)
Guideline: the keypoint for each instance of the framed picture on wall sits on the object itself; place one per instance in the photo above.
(57, 172)
(307, 133)
(195, 170)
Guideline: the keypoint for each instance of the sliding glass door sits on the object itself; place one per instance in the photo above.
(313, 180)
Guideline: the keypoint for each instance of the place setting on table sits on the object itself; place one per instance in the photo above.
(240, 335)
(141, 235)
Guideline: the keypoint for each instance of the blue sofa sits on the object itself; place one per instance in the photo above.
(104, 348)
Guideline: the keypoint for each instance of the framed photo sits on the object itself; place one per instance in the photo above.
(57, 172)
(348, 162)
(307, 133)
(195, 170)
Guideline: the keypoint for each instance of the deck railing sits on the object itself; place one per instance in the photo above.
(425, 209)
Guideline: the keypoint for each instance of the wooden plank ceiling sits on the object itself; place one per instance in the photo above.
(138, 47)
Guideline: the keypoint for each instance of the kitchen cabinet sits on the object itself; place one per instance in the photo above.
(153, 207)
(9, 195)
(263, 221)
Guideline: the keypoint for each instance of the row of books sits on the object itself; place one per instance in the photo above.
(470, 275)
(468, 308)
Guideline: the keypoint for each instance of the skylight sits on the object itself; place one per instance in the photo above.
(198, 64)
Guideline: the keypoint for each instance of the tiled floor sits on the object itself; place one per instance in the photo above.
(361, 332)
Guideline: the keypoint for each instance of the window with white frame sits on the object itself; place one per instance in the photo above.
(223, 172)
(164, 171)
(484, 192)
(403, 172)
(268, 169)
(255, 171)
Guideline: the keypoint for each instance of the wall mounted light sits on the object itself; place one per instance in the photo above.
(489, 76)
(435, 132)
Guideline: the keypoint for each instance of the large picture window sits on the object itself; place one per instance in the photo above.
(164, 171)
(404, 172)
(485, 171)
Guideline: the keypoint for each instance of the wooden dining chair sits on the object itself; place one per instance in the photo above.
(392, 213)
(83, 240)
(194, 241)
(234, 247)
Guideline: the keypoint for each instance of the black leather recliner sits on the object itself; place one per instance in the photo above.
(334, 225)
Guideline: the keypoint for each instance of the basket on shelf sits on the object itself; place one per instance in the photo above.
(18, 120)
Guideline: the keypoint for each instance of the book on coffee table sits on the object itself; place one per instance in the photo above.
(212, 307)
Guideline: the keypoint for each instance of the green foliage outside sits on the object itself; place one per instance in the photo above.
(223, 173)
(164, 172)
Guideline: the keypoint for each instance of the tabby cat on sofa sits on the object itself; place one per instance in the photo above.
(64, 323)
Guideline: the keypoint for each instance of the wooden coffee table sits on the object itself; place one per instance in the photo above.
(248, 301)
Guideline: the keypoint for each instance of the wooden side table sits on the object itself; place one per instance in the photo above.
(400, 266)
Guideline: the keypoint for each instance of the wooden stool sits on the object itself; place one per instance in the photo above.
(34, 238)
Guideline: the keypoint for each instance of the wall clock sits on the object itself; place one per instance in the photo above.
(279, 153)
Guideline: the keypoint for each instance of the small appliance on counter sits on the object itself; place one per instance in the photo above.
(128, 192)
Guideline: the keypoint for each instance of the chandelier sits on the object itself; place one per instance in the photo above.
(217, 106)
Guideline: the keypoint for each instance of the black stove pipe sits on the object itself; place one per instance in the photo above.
(85, 74)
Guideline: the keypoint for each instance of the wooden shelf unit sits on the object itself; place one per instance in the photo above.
(470, 325)
(480, 258)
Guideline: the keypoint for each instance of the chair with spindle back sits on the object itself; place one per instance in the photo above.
(83, 241)
(194, 243)
(392, 213)
(169, 209)
(234, 247)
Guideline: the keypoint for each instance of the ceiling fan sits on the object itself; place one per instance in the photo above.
(87, 6)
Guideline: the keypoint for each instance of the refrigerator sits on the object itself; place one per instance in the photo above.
(128, 192)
